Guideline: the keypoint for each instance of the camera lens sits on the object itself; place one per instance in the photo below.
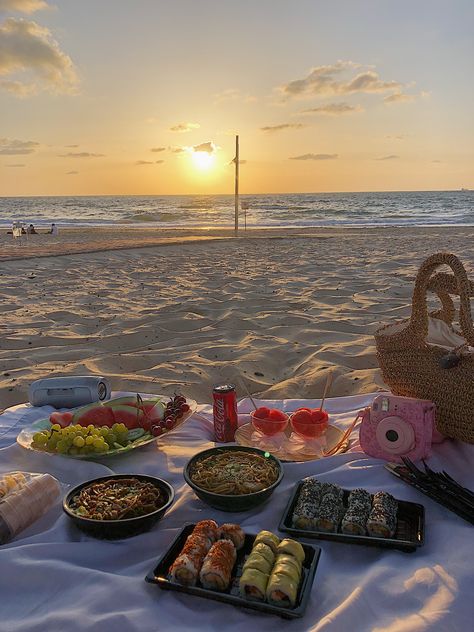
(391, 435)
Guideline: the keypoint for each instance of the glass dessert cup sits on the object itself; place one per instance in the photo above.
(269, 427)
(313, 428)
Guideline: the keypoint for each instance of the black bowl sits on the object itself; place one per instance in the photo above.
(227, 502)
(127, 527)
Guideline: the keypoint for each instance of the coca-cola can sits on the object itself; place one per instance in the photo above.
(225, 412)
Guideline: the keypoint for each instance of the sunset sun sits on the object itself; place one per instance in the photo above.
(203, 160)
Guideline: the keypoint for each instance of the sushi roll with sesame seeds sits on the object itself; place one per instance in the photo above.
(330, 513)
(358, 509)
(382, 521)
(306, 507)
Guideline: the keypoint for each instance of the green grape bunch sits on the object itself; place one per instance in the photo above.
(76, 439)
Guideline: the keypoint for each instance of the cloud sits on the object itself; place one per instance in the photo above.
(157, 149)
(184, 127)
(72, 173)
(399, 97)
(144, 162)
(282, 126)
(326, 80)
(437, 161)
(10, 147)
(18, 88)
(315, 157)
(395, 137)
(390, 157)
(334, 109)
(233, 94)
(177, 150)
(28, 49)
(71, 146)
(159, 162)
(16, 164)
(81, 154)
(208, 147)
(22, 6)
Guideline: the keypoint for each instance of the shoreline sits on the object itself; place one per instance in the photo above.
(72, 241)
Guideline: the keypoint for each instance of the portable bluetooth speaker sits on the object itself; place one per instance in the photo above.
(69, 392)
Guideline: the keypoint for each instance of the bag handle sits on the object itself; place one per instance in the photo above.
(437, 284)
(443, 284)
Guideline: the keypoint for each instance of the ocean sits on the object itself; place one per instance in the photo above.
(416, 208)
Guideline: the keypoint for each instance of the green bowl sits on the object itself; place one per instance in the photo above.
(232, 502)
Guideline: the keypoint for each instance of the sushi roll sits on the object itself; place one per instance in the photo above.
(282, 587)
(382, 521)
(287, 564)
(385, 500)
(293, 548)
(207, 528)
(253, 584)
(359, 497)
(330, 513)
(333, 490)
(306, 507)
(269, 539)
(265, 551)
(185, 569)
(357, 514)
(258, 562)
(234, 533)
(216, 571)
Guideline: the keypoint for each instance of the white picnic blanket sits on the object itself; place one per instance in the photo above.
(55, 578)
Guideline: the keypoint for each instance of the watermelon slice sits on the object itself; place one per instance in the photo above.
(128, 415)
(129, 400)
(95, 414)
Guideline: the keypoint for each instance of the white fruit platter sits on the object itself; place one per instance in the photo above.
(108, 428)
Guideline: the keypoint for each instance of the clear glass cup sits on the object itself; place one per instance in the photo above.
(269, 427)
(311, 429)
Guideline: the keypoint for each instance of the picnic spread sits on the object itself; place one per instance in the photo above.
(149, 522)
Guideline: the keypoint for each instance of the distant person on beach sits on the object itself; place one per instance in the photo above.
(31, 230)
(54, 230)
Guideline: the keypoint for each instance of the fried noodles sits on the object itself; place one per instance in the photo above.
(116, 499)
(234, 473)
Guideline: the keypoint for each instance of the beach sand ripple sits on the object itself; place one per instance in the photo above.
(281, 312)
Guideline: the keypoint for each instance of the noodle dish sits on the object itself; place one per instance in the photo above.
(233, 478)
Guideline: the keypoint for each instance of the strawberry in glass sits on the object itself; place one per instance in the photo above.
(309, 423)
(269, 421)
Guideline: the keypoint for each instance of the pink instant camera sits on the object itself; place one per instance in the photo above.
(399, 426)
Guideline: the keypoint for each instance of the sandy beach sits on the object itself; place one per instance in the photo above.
(159, 311)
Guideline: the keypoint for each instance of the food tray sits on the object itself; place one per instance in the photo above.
(159, 575)
(409, 535)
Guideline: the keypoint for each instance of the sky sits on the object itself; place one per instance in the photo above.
(143, 97)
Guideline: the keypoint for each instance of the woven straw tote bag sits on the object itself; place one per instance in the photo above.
(426, 357)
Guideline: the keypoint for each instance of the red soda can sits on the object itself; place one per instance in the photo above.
(225, 412)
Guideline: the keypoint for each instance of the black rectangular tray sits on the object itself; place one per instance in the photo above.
(159, 575)
(409, 535)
